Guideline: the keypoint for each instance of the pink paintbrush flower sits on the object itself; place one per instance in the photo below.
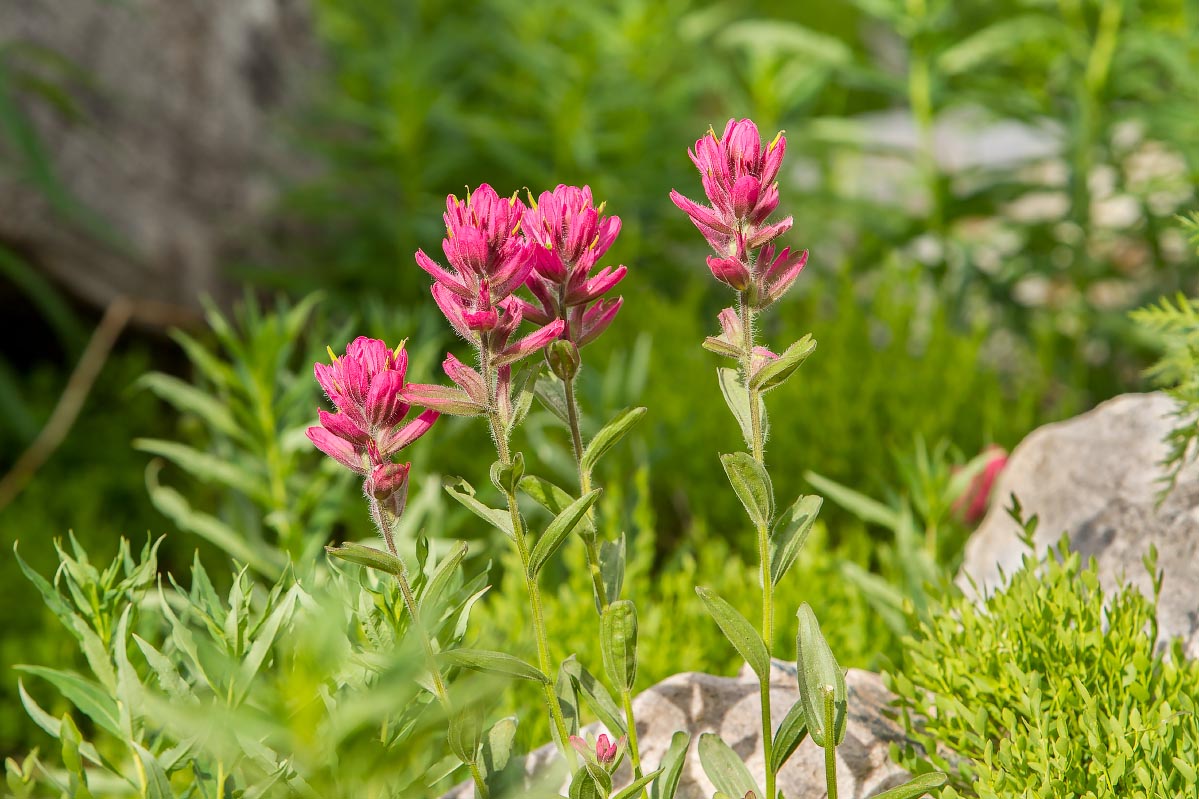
(570, 234)
(366, 386)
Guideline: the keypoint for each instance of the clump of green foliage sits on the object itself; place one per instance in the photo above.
(1050, 689)
(1176, 326)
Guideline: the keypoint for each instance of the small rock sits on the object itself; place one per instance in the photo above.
(729, 706)
(1097, 478)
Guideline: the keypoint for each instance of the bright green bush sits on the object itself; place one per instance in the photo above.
(1049, 689)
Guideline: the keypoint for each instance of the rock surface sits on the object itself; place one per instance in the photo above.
(728, 706)
(166, 162)
(1096, 478)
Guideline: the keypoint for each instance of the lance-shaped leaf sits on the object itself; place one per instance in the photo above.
(789, 736)
(741, 633)
(553, 499)
(596, 695)
(611, 433)
(789, 534)
(155, 783)
(634, 787)
(506, 478)
(524, 383)
(552, 395)
(464, 732)
(561, 527)
(667, 784)
(493, 663)
(92, 700)
(818, 673)
(611, 563)
(462, 491)
(860, 505)
(590, 783)
(752, 484)
(776, 372)
(618, 640)
(443, 576)
(367, 556)
(915, 787)
(496, 751)
(725, 768)
(736, 397)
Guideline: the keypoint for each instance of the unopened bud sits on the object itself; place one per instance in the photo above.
(563, 358)
(387, 479)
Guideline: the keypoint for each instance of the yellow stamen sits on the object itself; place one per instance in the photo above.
(332, 357)
(532, 202)
(775, 141)
(512, 199)
(602, 205)
(594, 242)
(513, 233)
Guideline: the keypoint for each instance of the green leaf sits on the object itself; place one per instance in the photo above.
(724, 767)
(432, 597)
(553, 499)
(982, 47)
(71, 741)
(736, 397)
(589, 783)
(774, 373)
(791, 732)
(860, 505)
(465, 732)
(552, 394)
(672, 767)
(186, 398)
(524, 384)
(92, 700)
(263, 641)
(367, 556)
(155, 783)
(596, 695)
(496, 752)
(493, 663)
(789, 534)
(914, 788)
(568, 697)
(207, 468)
(608, 437)
(744, 638)
(818, 671)
(464, 492)
(752, 484)
(558, 531)
(618, 641)
(634, 787)
(612, 567)
(168, 675)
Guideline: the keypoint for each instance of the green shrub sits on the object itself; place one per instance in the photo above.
(1049, 689)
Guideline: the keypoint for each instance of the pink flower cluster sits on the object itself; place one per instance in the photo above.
(605, 752)
(738, 173)
(366, 385)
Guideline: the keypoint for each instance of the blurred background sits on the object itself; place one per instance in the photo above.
(986, 189)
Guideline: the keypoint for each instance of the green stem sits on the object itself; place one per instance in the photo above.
(590, 542)
(626, 701)
(522, 547)
(443, 696)
(830, 746)
(758, 444)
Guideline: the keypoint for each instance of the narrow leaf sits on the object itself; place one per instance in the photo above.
(789, 534)
(915, 787)
(744, 638)
(860, 505)
(724, 767)
(553, 499)
(618, 640)
(92, 700)
(559, 529)
(818, 671)
(367, 556)
(462, 491)
(752, 484)
(736, 397)
(672, 767)
(596, 696)
(634, 787)
(774, 373)
(608, 437)
(790, 735)
(493, 663)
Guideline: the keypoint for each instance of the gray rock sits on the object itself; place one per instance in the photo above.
(1097, 478)
(172, 156)
(729, 706)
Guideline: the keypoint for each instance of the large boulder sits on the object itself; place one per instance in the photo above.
(729, 706)
(170, 156)
(1098, 478)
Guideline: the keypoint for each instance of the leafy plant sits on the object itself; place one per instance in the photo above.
(1048, 688)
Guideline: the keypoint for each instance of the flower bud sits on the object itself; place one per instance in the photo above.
(563, 358)
(387, 479)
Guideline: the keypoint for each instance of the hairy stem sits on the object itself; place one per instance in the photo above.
(576, 441)
(385, 525)
(626, 701)
(758, 444)
(503, 449)
(830, 746)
